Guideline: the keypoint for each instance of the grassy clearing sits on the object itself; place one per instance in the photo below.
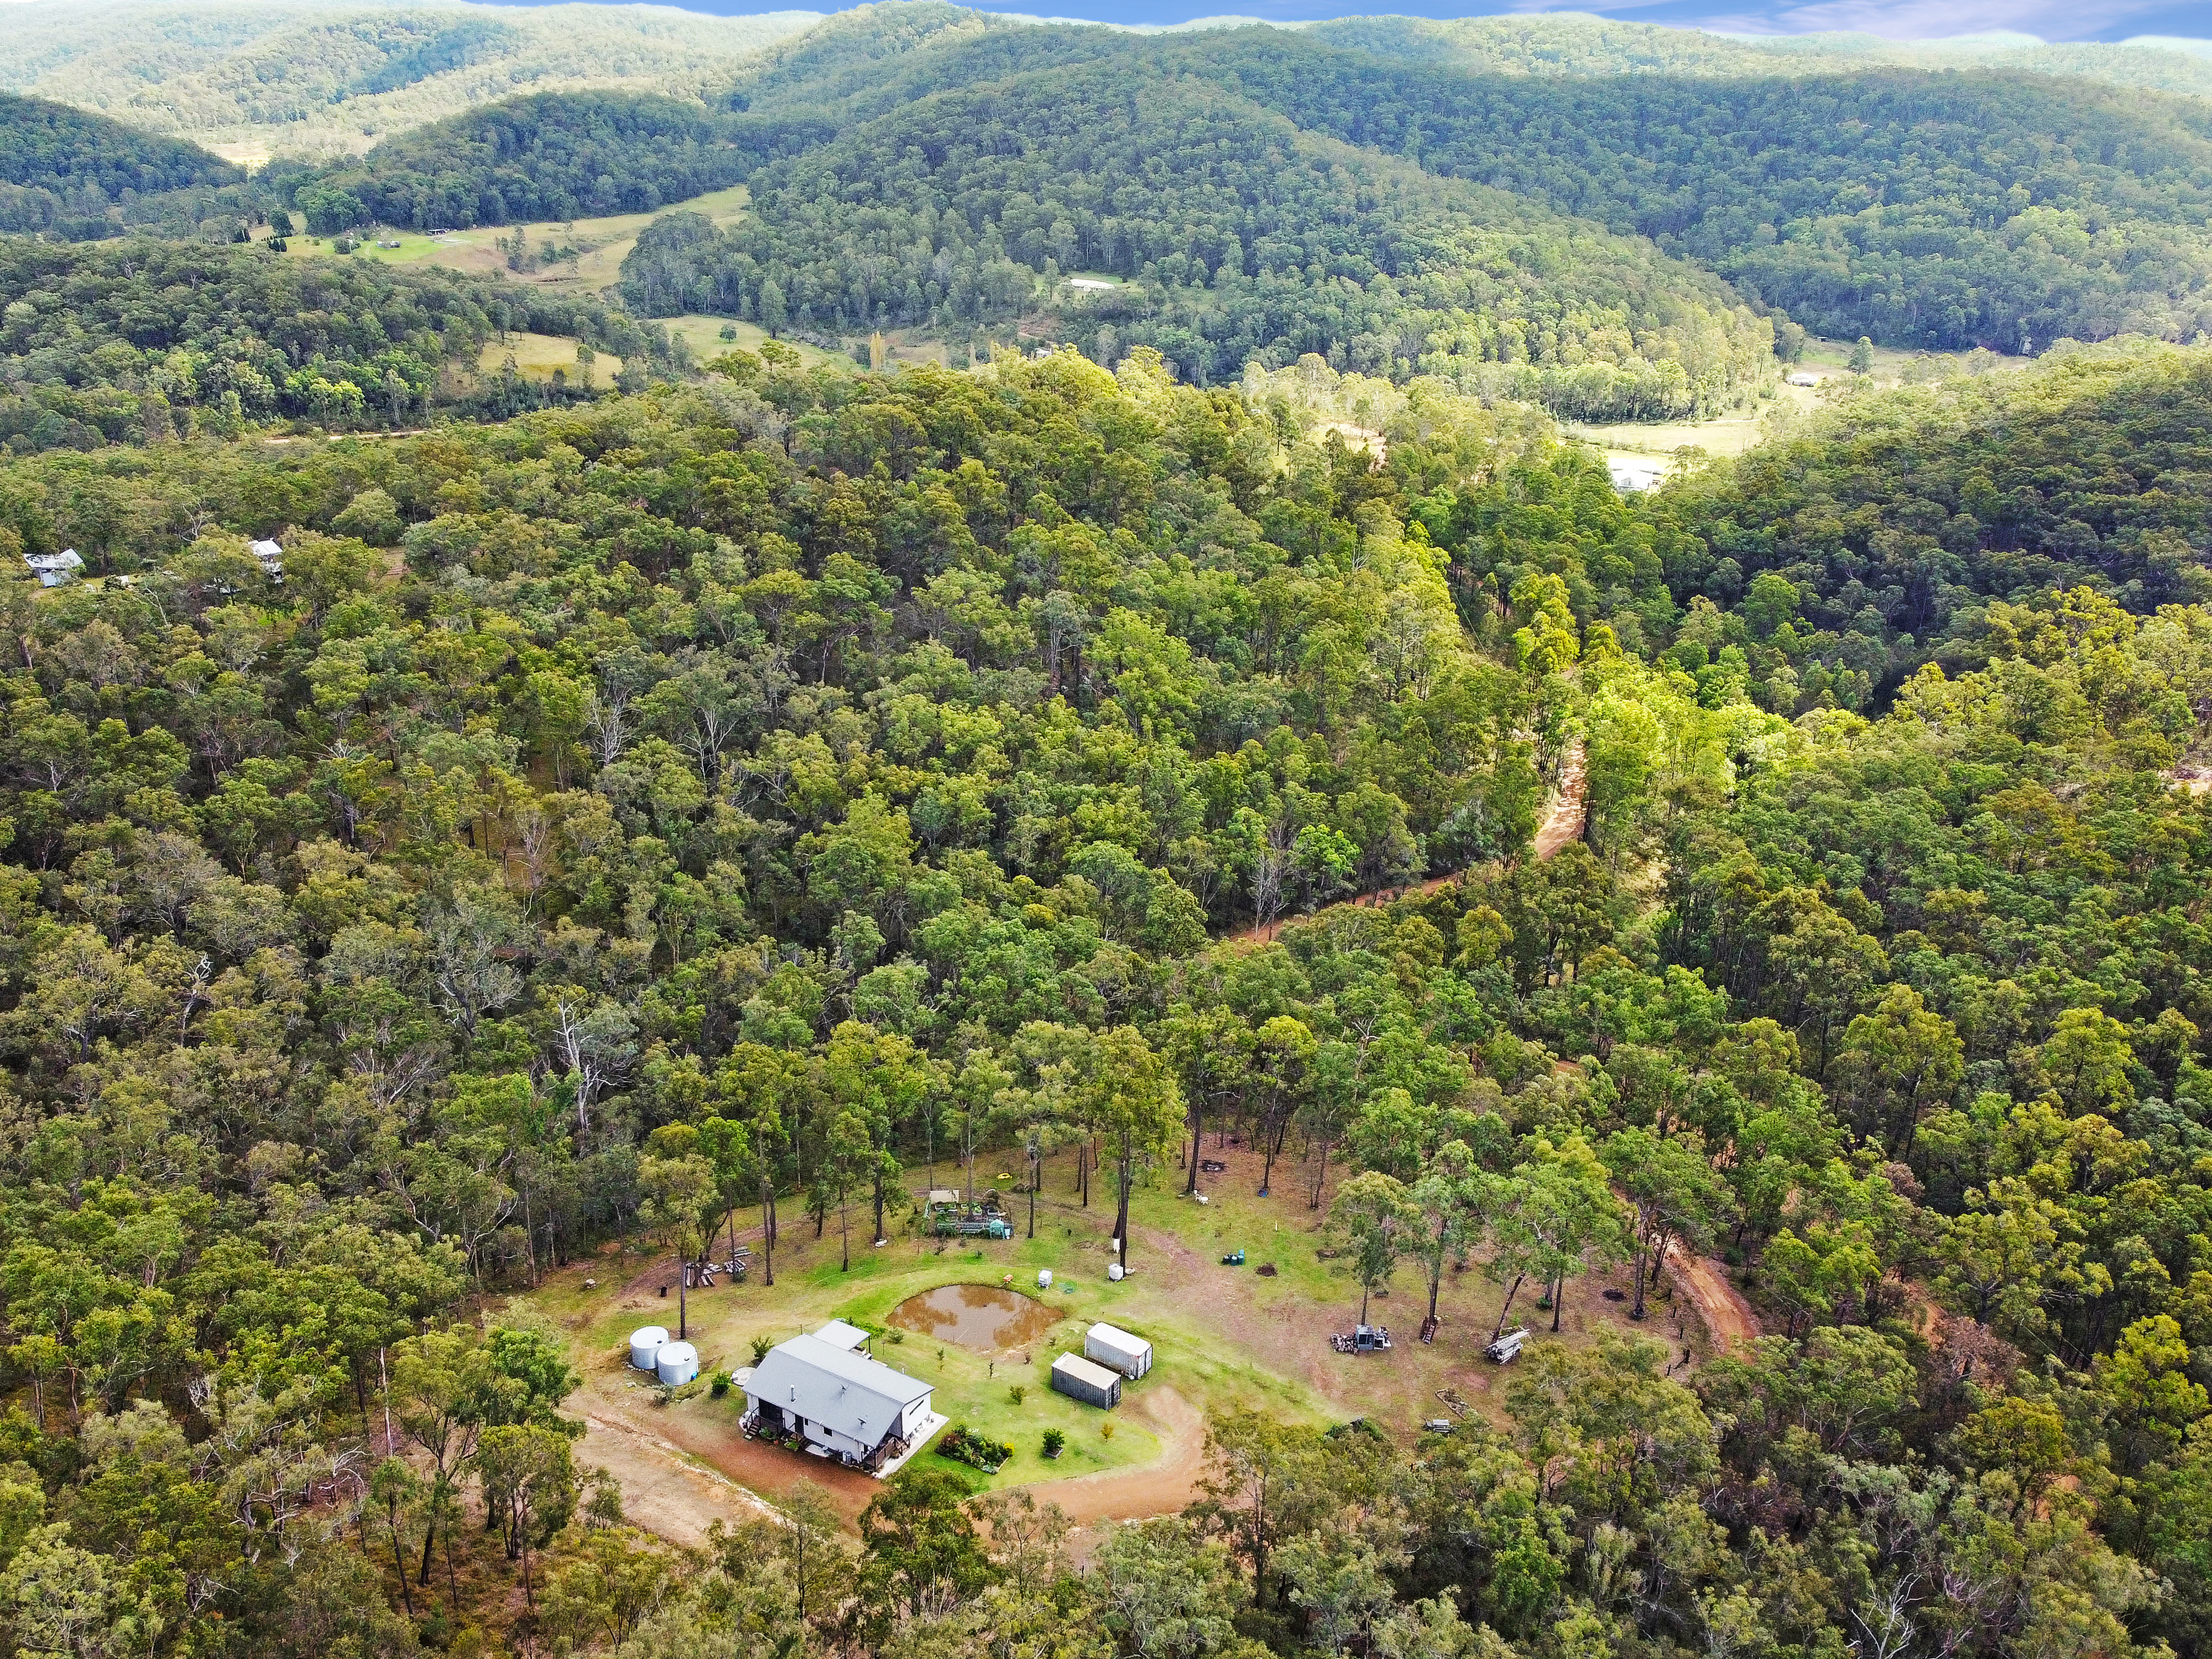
(1741, 429)
(538, 355)
(1224, 1337)
(703, 334)
(601, 244)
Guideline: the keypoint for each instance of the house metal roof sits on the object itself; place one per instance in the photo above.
(838, 1334)
(839, 1389)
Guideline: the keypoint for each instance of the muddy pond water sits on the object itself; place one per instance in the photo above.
(979, 1316)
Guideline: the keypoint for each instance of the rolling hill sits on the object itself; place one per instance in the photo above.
(73, 174)
(314, 78)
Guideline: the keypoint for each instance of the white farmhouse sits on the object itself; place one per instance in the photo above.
(846, 1405)
(53, 570)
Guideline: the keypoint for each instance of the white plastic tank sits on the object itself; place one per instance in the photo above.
(645, 1346)
(1114, 1272)
(1044, 1278)
(676, 1364)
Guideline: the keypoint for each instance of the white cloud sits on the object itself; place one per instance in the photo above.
(1936, 20)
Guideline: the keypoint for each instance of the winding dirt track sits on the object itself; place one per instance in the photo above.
(1162, 1486)
(1728, 1317)
(1561, 824)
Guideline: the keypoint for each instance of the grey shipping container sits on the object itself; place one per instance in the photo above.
(1078, 1379)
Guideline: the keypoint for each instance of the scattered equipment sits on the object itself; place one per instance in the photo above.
(1234, 1259)
(947, 1217)
(1363, 1338)
(1507, 1347)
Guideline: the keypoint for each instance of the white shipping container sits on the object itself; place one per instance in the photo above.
(1107, 1345)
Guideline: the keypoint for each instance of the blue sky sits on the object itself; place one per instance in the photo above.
(1903, 20)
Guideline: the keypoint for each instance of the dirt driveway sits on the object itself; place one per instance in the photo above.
(1163, 1486)
(1728, 1317)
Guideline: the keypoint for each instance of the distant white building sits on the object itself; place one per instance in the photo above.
(846, 1405)
(53, 570)
(270, 556)
(1634, 475)
(1802, 377)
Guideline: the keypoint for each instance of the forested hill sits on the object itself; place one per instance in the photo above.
(1570, 44)
(323, 77)
(1877, 537)
(1939, 210)
(1238, 236)
(1925, 209)
(639, 811)
(140, 340)
(547, 156)
(63, 171)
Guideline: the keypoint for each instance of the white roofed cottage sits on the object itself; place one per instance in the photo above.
(844, 1404)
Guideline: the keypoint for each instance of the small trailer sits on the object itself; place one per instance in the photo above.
(1507, 1347)
(1362, 1338)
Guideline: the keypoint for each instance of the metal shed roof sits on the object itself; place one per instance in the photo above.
(838, 1334)
(839, 1389)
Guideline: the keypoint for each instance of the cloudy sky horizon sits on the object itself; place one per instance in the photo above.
(1897, 20)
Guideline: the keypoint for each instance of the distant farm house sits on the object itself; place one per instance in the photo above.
(53, 570)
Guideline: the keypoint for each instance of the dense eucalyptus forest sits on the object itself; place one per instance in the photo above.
(642, 807)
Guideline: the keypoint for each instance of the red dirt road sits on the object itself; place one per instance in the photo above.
(1728, 1317)
(1563, 823)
